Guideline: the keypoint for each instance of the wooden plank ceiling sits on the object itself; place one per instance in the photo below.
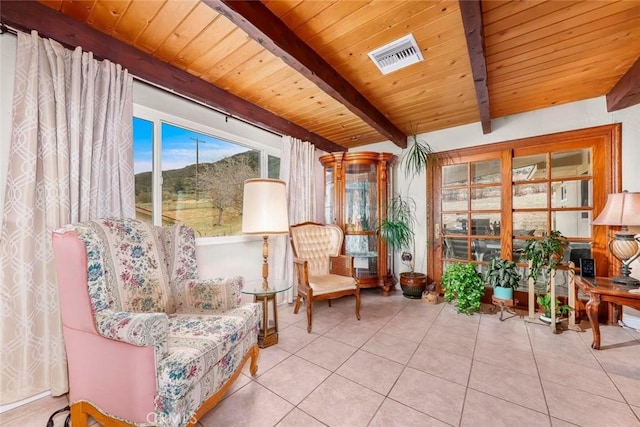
(538, 54)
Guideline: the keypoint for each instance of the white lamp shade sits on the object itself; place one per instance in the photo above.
(264, 207)
(620, 209)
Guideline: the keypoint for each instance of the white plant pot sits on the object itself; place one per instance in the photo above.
(547, 320)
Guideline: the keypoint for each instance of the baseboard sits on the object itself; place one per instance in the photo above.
(10, 406)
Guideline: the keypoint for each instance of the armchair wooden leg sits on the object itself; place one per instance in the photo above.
(309, 315)
(358, 305)
(297, 306)
(253, 368)
(79, 418)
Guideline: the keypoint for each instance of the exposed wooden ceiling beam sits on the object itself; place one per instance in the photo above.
(263, 26)
(626, 92)
(31, 15)
(471, 11)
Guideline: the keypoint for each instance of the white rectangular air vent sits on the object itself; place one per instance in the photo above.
(397, 54)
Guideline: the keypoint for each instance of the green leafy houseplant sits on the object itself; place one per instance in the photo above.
(544, 301)
(463, 283)
(503, 273)
(397, 228)
(545, 254)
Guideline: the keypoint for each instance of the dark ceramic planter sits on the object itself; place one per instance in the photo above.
(413, 284)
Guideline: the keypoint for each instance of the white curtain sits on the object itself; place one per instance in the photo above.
(297, 163)
(70, 160)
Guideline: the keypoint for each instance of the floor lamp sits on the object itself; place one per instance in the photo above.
(622, 209)
(264, 212)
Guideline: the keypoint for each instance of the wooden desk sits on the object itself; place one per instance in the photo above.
(603, 289)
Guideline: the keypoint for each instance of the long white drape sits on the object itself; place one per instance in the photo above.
(297, 170)
(70, 160)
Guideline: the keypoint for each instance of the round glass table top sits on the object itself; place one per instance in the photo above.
(256, 287)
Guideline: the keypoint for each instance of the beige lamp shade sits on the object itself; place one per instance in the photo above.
(264, 209)
(620, 209)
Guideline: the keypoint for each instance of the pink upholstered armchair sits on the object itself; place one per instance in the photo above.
(147, 342)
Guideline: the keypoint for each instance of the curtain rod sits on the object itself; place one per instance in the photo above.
(9, 30)
(226, 115)
(5, 29)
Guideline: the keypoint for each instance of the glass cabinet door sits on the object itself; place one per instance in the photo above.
(361, 217)
(329, 195)
(364, 250)
(361, 202)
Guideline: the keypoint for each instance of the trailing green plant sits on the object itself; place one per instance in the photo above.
(504, 273)
(544, 301)
(545, 254)
(462, 282)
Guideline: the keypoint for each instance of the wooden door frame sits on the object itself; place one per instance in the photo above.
(607, 143)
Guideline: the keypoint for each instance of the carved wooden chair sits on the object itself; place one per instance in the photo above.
(321, 272)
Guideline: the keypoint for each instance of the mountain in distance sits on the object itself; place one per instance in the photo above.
(184, 179)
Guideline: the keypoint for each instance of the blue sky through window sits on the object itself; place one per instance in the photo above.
(178, 147)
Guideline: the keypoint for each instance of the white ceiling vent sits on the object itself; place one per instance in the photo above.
(397, 54)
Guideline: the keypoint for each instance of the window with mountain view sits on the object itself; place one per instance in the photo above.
(201, 181)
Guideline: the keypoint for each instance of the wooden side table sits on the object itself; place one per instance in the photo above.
(602, 289)
(268, 334)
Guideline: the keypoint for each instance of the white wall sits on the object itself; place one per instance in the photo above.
(577, 115)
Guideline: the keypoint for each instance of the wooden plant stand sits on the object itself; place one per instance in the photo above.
(571, 299)
(505, 305)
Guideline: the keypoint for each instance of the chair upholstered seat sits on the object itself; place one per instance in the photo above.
(198, 342)
(324, 283)
(148, 342)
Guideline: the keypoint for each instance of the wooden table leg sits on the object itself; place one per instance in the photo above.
(262, 333)
(592, 313)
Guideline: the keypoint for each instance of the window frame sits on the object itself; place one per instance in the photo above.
(157, 117)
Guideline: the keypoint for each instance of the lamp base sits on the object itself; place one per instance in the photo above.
(626, 280)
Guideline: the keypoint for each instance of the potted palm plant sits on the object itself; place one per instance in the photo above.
(397, 228)
(503, 276)
(462, 283)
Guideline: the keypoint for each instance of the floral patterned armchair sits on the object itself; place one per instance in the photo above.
(147, 342)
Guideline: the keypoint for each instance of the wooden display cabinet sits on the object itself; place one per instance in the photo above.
(357, 188)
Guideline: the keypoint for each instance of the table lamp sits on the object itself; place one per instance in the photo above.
(622, 209)
(264, 212)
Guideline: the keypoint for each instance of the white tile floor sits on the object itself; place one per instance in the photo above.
(411, 364)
